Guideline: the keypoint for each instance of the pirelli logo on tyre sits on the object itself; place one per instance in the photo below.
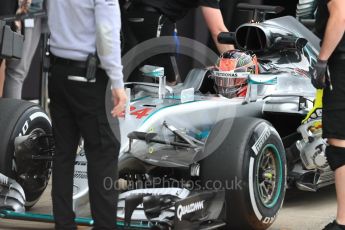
(261, 141)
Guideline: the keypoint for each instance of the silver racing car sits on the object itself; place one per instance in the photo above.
(217, 151)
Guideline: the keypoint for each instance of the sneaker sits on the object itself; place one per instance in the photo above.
(334, 226)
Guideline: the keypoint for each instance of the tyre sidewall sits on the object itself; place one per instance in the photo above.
(33, 118)
(263, 135)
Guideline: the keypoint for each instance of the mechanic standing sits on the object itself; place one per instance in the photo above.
(17, 70)
(8, 7)
(81, 33)
(329, 73)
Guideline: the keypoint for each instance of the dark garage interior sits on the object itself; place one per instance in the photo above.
(188, 27)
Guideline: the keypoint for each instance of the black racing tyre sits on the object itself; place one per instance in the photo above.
(21, 118)
(251, 165)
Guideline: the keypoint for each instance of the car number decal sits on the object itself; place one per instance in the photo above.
(139, 114)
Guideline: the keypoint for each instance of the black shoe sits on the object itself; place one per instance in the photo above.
(334, 226)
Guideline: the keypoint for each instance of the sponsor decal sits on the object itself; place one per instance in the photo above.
(189, 208)
(80, 175)
(268, 220)
(25, 128)
(139, 114)
(40, 114)
(225, 74)
(26, 125)
(262, 139)
(81, 163)
(230, 74)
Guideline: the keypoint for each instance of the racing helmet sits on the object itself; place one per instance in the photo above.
(235, 61)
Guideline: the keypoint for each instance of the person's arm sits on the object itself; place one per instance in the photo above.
(334, 32)
(2, 76)
(215, 22)
(335, 28)
(108, 27)
(23, 8)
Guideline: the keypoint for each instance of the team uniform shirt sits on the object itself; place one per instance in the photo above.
(333, 111)
(322, 16)
(177, 9)
(81, 27)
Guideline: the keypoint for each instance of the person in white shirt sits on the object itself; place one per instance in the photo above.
(82, 29)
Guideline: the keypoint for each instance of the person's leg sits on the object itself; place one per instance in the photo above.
(102, 157)
(17, 70)
(340, 181)
(340, 185)
(101, 148)
(66, 137)
(333, 125)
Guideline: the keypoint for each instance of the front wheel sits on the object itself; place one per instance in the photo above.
(251, 165)
(30, 163)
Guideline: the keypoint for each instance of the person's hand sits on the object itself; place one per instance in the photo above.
(120, 100)
(23, 6)
(318, 74)
(18, 26)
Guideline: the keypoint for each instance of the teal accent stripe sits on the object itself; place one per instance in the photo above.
(175, 97)
(160, 109)
(268, 82)
(203, 135)
(50, 219)
(40, 217)
(280, 182)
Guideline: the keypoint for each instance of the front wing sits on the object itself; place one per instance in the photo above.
(171, 208)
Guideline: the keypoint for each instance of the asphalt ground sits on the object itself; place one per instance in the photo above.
(301, 211)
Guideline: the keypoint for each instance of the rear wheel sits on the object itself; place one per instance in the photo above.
(22, 119)
(251, 165)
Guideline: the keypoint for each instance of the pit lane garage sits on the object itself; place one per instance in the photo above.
(243, 139)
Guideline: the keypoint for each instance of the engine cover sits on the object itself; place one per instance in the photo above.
(263, 37)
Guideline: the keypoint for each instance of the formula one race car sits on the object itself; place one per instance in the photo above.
(217, 151)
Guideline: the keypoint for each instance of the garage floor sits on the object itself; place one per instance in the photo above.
(301, 211)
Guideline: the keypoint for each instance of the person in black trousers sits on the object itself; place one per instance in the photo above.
(329, 74)
(81, 31)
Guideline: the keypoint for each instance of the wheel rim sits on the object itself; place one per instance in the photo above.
(269, 176)
(29, 170)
